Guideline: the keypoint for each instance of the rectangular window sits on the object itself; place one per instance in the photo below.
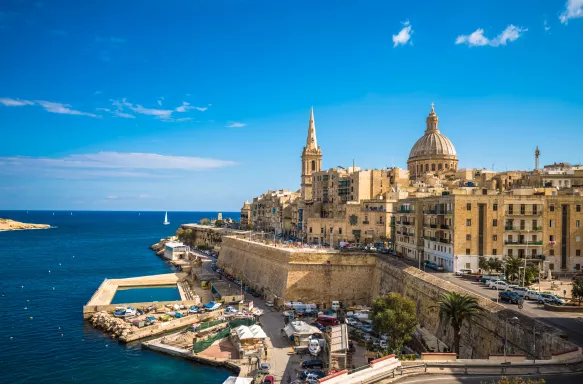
(494, 237)
(469, 206)
(552, 208)
(510, 252)
(467, 251)
(494, 252)
(468, 237)
(577, 252)
(578, 208)
(534, 209)
(551, 237)
(495, 207)
(339, 231)
(577, 238)
(321, 230)
(551, 253)
(577, 223)
(551, 266)
(522, 209)
(495, 223)
(534, 225)
(468, 222)
(310, 229)
(510, 209)
(551, 223)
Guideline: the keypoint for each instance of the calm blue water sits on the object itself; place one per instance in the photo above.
(43, 337)
(142, 295)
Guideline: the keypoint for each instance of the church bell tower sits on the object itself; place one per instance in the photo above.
(311, 159)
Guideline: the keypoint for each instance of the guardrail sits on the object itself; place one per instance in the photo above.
(503, 367)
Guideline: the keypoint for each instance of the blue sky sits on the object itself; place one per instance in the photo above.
(199, 105)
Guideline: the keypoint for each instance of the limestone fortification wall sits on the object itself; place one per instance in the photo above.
(479, 338)
(259, 265)
(353, 278)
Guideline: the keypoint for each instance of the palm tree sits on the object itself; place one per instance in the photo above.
(484, 264)
(513, 265)
(495, 264)
(457, 308)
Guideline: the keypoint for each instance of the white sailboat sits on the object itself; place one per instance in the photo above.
(166, 222)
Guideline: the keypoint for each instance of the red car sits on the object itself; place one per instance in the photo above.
(269, 380)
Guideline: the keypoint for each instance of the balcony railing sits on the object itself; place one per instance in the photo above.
(430, 211)
(432, 238)
(433, 225)
(511, 228)
(445, 241)
(527, 212)
(507, 242)
(406, 210)
(444, 226)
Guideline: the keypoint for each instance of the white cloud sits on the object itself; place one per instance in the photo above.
(187, 107)
(404, 35)
(49, 106)
(159, 101)
(124, 115)
(573, 10)
(236, 124)
(546, 26)
(64, 109)
(8, 102)
(477, 38)
(108, 164)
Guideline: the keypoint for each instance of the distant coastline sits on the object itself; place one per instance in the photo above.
(11, 225)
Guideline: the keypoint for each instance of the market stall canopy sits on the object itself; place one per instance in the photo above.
(243, 332)
(257, 332)
(238, 380)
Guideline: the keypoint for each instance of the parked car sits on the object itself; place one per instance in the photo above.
(269, 303)
(463, 271)
(366, 328)
(520, 290)
(511, 297)
(352, 322)
(383, 344)
(530, 295)
(550, 299)
(264, 368)
(269, 380)
(317, 373)
(313, 364)
(499, 284)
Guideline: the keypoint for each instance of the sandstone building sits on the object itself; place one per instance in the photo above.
(433, 210)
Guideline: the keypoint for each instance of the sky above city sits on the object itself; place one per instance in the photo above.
(200, 105)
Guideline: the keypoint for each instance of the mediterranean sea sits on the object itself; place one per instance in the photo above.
(46, 276)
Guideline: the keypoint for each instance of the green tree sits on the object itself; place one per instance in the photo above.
(484, 264)
(180, 234)
(457, 308)
(219, 223)
(396, 316)
(205, 221)
(512, 265)
(531, 274)
(495, 264)
(577, 289)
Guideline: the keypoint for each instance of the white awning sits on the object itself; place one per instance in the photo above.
(257, 332)
(238, 380)
(243, 332)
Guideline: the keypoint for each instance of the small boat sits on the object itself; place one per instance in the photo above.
(124, 312)
(193, 309)
(211, 306)
(166, 222)
(314, 347)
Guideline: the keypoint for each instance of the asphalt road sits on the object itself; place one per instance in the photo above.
(564, 378)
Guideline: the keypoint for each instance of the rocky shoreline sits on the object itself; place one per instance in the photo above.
(110, 324)
(159, 246)
(11, 225)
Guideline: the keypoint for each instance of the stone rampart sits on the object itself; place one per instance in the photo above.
(479, 338)
(319, 277)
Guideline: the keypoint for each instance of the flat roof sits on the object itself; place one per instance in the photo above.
(339, 338)
(174, 244)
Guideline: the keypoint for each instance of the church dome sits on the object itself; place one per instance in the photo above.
(432, 145)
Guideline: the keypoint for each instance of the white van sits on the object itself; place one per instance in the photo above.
(335, 305)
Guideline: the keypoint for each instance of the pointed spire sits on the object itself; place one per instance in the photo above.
(311, 142)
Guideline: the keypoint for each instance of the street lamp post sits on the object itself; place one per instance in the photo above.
(506, 334)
